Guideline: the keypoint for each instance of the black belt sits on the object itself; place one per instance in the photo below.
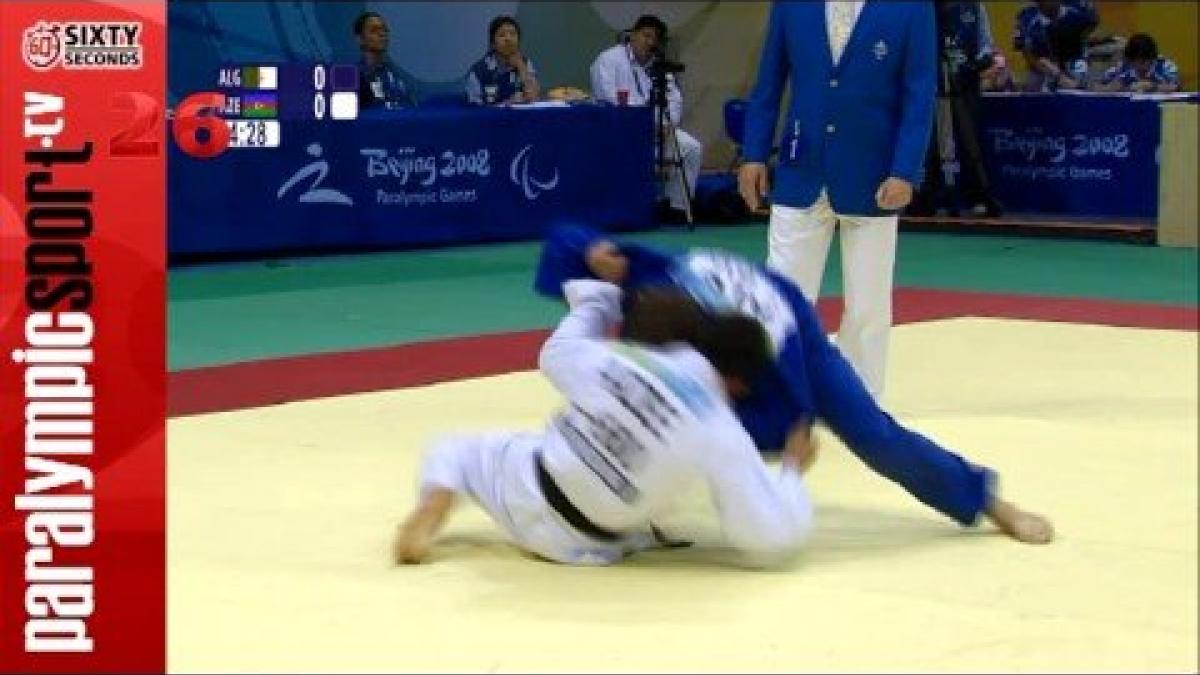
(559, 502)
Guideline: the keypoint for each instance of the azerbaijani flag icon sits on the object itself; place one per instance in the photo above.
(259, 105)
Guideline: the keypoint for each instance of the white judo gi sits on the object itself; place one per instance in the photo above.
(640, 426)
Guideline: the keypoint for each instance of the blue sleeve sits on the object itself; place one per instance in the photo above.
(1021, 27)
(1169, 73)
(1089, 15)
(762, 110)
(647, 266)
(1076, 20)
(782, 397)
(1038, 44)
(564, 258)
(919, 91)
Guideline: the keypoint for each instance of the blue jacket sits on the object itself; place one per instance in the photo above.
(491, 71)
(1164, 71)
(1076, 15)
(382, 85)
(850, 125)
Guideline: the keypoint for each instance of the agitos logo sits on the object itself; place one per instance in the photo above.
(83, 45)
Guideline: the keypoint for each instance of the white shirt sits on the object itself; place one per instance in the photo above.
(858, 7)
(857, 10)
(642, 424)
(616, 68)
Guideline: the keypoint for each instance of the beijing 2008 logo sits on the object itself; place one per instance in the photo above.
(42, 46)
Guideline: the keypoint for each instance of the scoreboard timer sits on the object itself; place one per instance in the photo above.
(251, 105)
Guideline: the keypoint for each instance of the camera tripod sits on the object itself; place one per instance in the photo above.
(668, 157)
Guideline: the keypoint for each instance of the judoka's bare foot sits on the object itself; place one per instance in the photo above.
(415, 536)
(1023, 526)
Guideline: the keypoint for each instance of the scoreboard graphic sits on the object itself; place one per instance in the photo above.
(251, 104)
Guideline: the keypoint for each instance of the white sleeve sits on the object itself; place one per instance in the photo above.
(473, 88)
(604, 84)
(674, 101)
(569, 354)
(532, 72)
(764, 514)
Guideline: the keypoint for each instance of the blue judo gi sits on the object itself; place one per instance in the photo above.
(810, 380)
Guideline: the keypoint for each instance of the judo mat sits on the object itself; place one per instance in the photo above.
(280, 520)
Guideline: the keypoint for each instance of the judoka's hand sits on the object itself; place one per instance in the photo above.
(666, 541)
(753, 184)
(894, 194)
(800, 450)
(606, 261)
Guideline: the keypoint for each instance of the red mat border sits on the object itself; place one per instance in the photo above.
(297, 378)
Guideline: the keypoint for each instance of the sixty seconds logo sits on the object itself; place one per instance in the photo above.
(83, 45)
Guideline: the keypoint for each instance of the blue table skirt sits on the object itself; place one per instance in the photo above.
(417, 178)
(1073, 155)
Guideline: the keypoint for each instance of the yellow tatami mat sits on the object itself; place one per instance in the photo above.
(280, 520)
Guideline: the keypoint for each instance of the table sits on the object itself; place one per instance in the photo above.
(1073, 154)
(413, 178)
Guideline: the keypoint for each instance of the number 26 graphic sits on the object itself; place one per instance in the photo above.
(138, 138)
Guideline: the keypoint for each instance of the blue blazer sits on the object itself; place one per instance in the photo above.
(851, 125)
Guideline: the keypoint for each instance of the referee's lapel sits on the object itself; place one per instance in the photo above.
(871, 11)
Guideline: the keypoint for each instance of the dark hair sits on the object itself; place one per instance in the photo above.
(495, 24)
(1141, 47)
(1067, 41)
(651, 21)
(657, 316)
(361, 22)
(735, 344)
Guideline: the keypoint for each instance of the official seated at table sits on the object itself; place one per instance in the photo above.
(1051, 35)
(504, 74)
(1142, 69)
(380, 83)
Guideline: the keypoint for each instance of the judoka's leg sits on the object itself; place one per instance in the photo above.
(934, 475)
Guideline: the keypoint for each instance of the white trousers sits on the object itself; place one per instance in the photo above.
(798, 242)
(497, 471)
(693, 155)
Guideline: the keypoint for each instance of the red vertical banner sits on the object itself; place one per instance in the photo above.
(82, 258)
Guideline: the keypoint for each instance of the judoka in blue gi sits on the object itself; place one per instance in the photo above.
(811, 381)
